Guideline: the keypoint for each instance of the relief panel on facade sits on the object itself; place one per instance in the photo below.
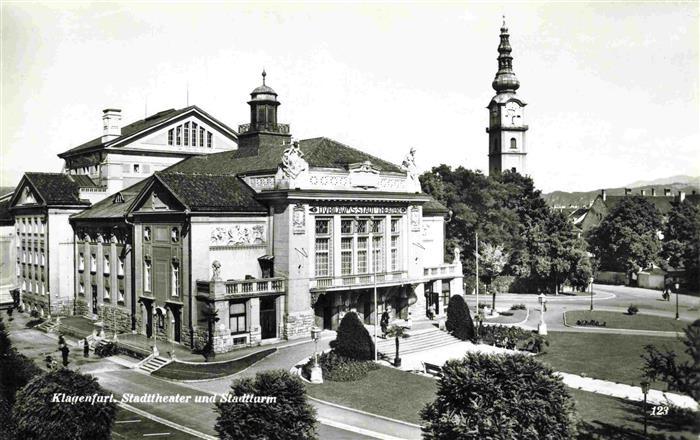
(239, 235)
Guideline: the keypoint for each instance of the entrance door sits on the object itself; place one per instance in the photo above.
(176, 325)
(94, 300)
(268, 320)
(148, 319)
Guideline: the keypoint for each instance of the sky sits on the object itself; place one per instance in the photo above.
(612, 88)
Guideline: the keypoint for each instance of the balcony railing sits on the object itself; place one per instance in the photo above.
(441, 270)
(232, 288)
(357, 280)
(261, 126)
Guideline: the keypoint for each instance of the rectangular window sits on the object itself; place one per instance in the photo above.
(323, 247)
(147, 276)
(93, 263)
(377, 226)
(137, 168)
(120, 299)
(187, 133)
(362, 254)
(81, 262)
(445, 293)
(171, 135)
(346, 255)
(175, 278)
(210, 140)
(120, 268)
(361, 226)
(24, 256)
(106, 293)
(194, 134)
(236, 313)
(43, 258)
(105, 265)
(201, 136)
(18, 269)
(346, 227)
(42, 227)
(395, 226)
(81, 289)
(394, 252)
(178, 135)
(378, 254)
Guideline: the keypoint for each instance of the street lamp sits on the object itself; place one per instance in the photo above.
(645, 390)
(676, 286)
(590, 285)
(316, 371)
(542, 327)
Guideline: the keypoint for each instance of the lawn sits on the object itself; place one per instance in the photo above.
(623, 320)
(386, 391)
(129, 425)
(605, 356)
(611, 418)
(202, 371)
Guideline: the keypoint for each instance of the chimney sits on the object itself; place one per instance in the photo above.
(643, 192)
(111, 124)
(667, 192)
(653, 192)
(681, 196)
(628, 191)
(603, 194)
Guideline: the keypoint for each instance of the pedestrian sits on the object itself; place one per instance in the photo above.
(64, 353)
(384, 322)
(86, 348)
(61, 342)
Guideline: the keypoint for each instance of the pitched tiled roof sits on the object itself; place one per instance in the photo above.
(107, 209)
(432, 206)
(219, 193)
(662, 203)
(138, 126)
(60, 188)
(318, 152)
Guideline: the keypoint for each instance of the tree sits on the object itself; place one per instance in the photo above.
(627, 238)
(681, 246)
(679, 376)
(459, 321)
(5, 343)
(290, 416)
(353, 340)
(499, 397)
(37, 417)
(396, 331)
(493, 260)
(15, 368)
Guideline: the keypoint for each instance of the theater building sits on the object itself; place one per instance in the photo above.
(276, 236)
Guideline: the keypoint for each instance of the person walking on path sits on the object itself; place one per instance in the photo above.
(86, 348)
(64, 353)
(61, 342)
(384, 322)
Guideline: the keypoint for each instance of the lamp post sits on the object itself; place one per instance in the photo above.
(676, 286)
(476, 255)
(542, 327)
(645, 390)
(316, 371)
(590, 286)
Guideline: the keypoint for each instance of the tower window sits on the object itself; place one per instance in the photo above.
(513, 144)
(187, 133)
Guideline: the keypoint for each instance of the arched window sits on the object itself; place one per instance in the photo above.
(513, 144)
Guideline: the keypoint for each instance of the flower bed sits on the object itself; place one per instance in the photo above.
(512, 338)
(338, 368)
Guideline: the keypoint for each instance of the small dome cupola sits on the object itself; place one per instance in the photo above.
(505, 80)
(263, 105)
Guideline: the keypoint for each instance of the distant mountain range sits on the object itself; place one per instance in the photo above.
(584, 198)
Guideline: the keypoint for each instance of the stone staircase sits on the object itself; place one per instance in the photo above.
(418, 340)
(48, 326)
(153, 363)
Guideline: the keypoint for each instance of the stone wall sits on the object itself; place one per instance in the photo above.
(298, 325)
(111, 315)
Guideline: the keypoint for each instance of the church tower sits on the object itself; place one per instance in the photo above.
(507, 117)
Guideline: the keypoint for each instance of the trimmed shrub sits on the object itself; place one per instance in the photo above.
(337, 368)
(107, 349)
(36, 416)
(290, 417)
(513, 338)
(499, 397)
(518, 307)
(459, 321)
(632, 309)
(353, 340)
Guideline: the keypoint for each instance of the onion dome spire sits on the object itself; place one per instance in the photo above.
(505, 80)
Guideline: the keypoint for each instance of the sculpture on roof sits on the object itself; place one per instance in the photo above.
(293, 162)
(409, 165)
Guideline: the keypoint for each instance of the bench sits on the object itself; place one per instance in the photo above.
(433, 369)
